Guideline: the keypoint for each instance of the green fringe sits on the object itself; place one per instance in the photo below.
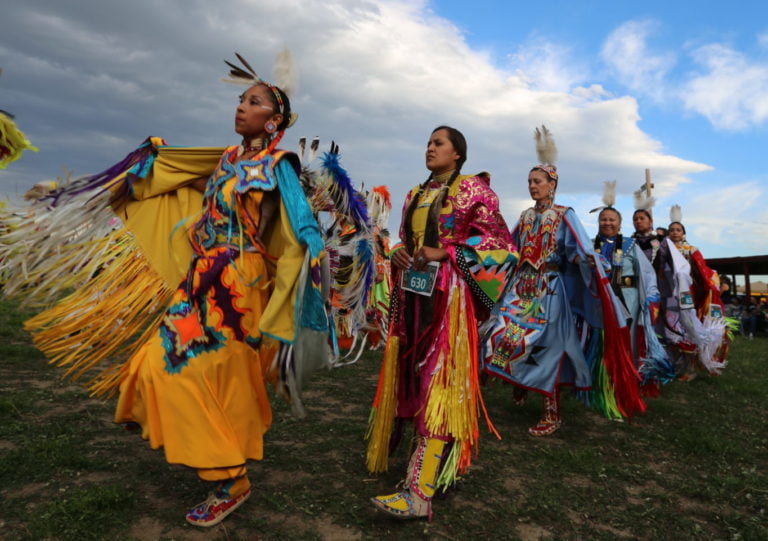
(602, 395)
(732, 325)
(448, 474)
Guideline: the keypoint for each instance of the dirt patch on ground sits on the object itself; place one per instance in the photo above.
(649, 487)
(279, 477)
(285, 443)
(619, 534)
(30, 489)
(65, 389)
(514, 484)
(41, 384)
(463, 502)
(577, 518)
(322, 526)
(150, 529)
(7, 445)
(579, 481)
(94, 478)
(146, 529)
(65, 409)
(696, 506)
(333, 532)
(330, 416)
(531, 532)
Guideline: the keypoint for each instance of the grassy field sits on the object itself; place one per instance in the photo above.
(694, 466)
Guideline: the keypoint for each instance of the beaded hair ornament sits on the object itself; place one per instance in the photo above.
(609, 197)
(546, 150)
(676, 217)
(675, 214)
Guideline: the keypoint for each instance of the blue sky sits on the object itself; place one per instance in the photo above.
(679, 87)
(674, 31)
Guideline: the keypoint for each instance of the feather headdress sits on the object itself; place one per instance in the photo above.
(675, 214)
(284, 73)
(242, 75)
(642, 201)
(546, 151)
(609, 196)
(379, 206)
(313, 148)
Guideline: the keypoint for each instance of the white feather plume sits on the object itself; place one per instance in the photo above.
(546, 150)
(313, 146)
(609, 193)
(302, 149)
(284, 72)
(642, 202)
(675, 214)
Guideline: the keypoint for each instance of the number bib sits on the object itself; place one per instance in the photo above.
(420, 282)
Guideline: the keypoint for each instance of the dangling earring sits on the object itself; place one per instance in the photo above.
(270, 127)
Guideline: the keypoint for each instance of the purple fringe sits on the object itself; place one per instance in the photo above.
(100, 181)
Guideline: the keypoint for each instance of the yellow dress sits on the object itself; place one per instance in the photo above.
(197, 386)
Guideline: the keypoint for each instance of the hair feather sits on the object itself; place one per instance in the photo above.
(675, 214)
(609, 193)
(247, 65)
(642, 202)
(546, 150)
(284, 72)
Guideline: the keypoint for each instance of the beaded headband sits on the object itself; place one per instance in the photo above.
(550, 170)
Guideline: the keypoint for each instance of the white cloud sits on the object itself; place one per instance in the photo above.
(732, 218)
(633, 62)
(732, 93)
(548, 66)
(513, 207)
(374, 76)
(729, 89)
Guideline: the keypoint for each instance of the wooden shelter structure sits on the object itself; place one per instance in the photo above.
(740, 266)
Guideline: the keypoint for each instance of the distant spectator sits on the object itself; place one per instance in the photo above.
(726, 295)
(750, 317)
(662, 232)
(762, 317)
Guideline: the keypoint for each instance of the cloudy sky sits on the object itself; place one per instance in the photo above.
(677, 87)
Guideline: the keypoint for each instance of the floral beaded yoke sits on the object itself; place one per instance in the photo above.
(229, 228)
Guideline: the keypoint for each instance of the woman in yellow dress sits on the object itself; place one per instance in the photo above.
(197, 387)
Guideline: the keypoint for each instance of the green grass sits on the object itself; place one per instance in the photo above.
(694, 466)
